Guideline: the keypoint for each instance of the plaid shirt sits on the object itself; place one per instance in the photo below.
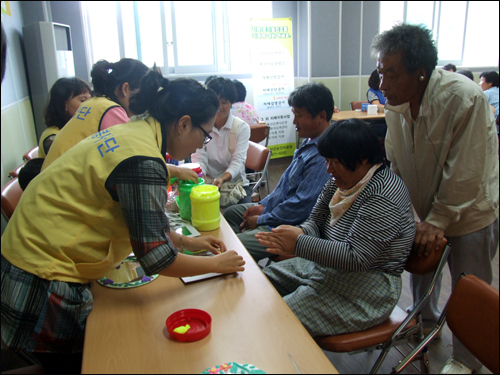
(141, 185)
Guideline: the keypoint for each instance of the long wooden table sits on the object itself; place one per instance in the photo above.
(251, 323)
(343, 115)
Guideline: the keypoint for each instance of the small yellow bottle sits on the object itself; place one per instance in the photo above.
(205, 207)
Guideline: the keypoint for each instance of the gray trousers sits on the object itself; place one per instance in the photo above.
(234, 217)
(472, 254)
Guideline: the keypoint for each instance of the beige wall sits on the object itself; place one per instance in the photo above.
(18, 128)
(18, 135)
(345, 89)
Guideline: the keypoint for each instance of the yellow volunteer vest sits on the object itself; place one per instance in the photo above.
(85, 122)
(67, 226)
(46, 133)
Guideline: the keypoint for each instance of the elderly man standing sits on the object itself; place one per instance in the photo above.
(442, 141)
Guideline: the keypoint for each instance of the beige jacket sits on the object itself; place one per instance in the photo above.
(448, 156)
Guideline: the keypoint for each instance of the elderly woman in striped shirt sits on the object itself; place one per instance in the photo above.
(344, 263)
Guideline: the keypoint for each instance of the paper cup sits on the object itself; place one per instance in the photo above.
(372, 109)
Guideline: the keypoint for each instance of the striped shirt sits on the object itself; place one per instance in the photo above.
(376, 232)
(295, 195)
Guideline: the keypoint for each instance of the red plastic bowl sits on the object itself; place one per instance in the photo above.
(199, 321)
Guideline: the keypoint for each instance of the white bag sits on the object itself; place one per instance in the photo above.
(230, 192)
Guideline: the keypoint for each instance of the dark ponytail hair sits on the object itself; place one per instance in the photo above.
(106, 76)
(177, 98)
(62, 90)
(167, 101)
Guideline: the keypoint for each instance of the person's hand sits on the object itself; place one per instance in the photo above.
(209, 243)
(291, 227)
(228, 262)
(253, 211)
(335, 109)
(427, 238)
(281, 241)
(218, 182)
(183, 174)
(186, 174)
(249, 223)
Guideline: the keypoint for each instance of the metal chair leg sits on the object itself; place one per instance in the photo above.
(424, 362)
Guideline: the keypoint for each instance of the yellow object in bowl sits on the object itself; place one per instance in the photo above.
(205, 207)
(182, 329)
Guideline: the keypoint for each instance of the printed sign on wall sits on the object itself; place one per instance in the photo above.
(273, 81)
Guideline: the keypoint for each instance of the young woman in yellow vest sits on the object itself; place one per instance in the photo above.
(114, 85)
(101, 200)
(65, 98)
(224, 158)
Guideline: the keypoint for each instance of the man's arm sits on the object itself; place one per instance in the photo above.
(463, 173)
(296, 209)
(464, 168)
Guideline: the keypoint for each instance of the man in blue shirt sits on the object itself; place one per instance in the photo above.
(299, 187)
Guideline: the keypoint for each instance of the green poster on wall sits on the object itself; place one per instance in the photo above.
(273, 81)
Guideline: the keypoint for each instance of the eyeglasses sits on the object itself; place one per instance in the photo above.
(207, 137)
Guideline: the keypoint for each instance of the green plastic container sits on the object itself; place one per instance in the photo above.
(184, 197)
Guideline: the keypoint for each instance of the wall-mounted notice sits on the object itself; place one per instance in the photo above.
(273, 81)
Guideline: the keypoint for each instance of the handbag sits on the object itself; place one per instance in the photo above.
(230, 192)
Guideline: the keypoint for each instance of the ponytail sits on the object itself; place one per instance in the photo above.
(106, 76)
(168, 100)
(152, 83)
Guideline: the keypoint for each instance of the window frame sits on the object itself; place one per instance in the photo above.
(220, 36)
(436, 24)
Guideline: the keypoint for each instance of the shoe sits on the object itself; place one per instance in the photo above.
(452, 366)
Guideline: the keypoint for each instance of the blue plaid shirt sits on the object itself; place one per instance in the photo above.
(293, 199)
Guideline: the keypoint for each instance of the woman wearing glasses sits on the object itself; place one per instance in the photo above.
(102, 199)
(223, 159)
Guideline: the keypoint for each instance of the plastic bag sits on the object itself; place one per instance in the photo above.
(230, 192)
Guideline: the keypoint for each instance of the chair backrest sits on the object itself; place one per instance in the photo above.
(259, 132)
(11, 193)
(357, 105)
(31, 154)
(15, 172)
(425, 264)
(472, 315)
(257, 156)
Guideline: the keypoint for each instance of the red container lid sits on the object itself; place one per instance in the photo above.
(193, 166)
(199, 321)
